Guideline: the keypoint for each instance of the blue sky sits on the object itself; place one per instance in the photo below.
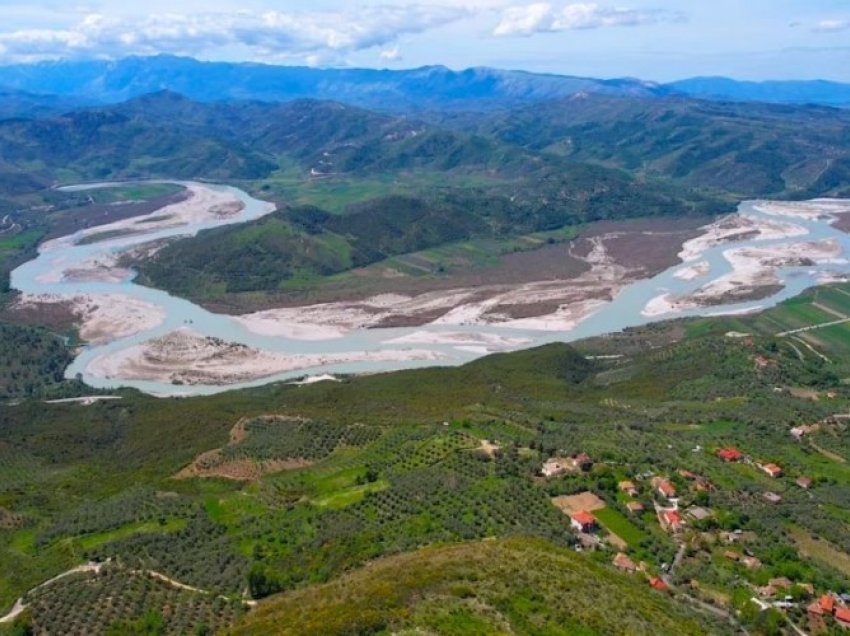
(652, 39)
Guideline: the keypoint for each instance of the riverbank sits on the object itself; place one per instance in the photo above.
(100, 319)
(185, 357)
(613, 275)
(545, 305)
(754, 275)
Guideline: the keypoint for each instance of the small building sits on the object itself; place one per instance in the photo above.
(804, 482)
(554, 467)
(703, 485)
(732, 556)
(772, 469)
(751, 563)
(781, 582)
(583, 462)
(730, 454)
(763, 362)
(666, 489)
(768, 591)
(670, 520)
(629, 488)
(698, 514)
(772, 497)
(842, 617)
(687, 474)
(658, 584)
(583, 521)
(798, 432)
(817, 624)
(623, 562)
(635, 507)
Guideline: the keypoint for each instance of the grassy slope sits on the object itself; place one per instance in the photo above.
(501, 586)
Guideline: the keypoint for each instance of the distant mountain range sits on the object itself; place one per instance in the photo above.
(788, 92)
(426, 88)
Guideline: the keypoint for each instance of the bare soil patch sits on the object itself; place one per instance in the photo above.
(74, 219)
(59, 316)
(10, 520)
(488, 447)
(569, 504)
(646, 246)
(214, 464)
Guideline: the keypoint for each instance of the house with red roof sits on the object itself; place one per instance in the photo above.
(730, 454)
(772, 469)
(666, 488)
(670, 520)
(842, 617)
(583, 521)
(658, 584)
(827, 603)
(623, 562)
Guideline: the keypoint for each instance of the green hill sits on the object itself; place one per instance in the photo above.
(506, 586)
(747, 149)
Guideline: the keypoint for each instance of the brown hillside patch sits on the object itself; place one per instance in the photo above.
(213, 463)
(569, 504)
(10, 520)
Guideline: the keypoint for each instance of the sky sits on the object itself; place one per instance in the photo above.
(659, 40)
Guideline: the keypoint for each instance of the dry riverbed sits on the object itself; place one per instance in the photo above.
(755, 270)
(100, 318)
(186, 357)
(611, 257)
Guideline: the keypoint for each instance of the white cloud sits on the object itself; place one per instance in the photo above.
(542, 17)
(832, 26)
(310, 36)
(391, 55)
(526, 20)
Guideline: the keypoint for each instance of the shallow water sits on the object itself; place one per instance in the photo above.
(624, 311)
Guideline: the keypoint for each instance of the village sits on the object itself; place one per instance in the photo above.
(676, 506)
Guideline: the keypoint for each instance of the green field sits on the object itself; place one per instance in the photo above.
(614, 521)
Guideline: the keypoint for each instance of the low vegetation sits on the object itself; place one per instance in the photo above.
(502, 586)
(32, 361)
(357, 477)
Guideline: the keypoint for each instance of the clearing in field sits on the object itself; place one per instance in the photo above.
(216, 463)
(569, 504)
(820, 550)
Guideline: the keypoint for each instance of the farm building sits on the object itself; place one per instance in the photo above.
(583, 521)
(730, 454)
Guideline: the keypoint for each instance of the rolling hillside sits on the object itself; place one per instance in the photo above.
(747, 149)
(505, 586)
